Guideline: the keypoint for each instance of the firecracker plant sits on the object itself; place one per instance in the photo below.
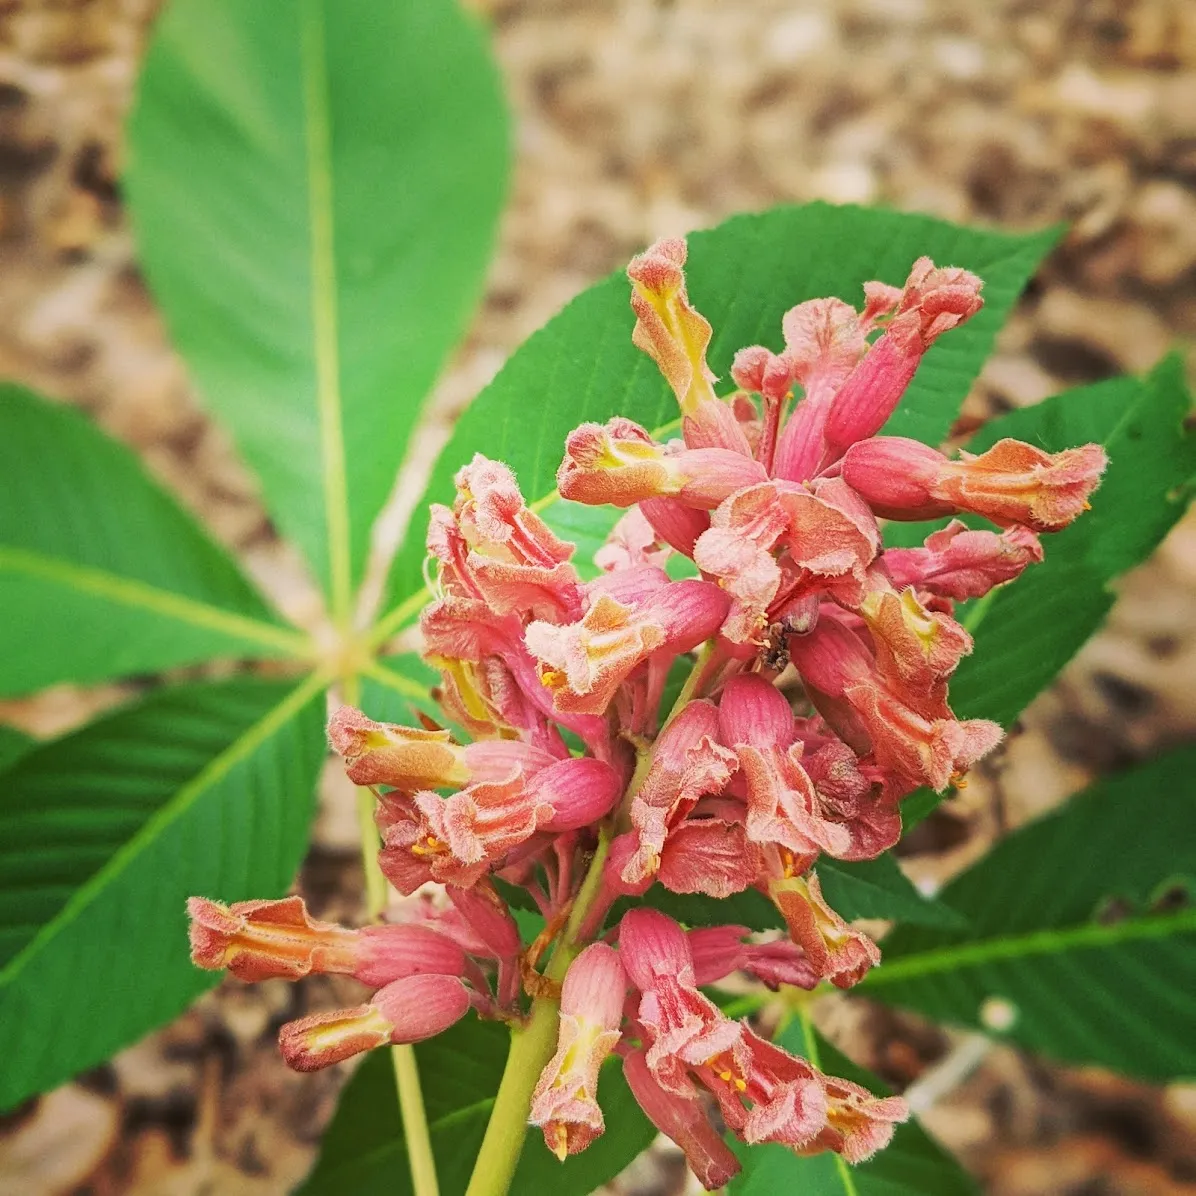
(681, 637)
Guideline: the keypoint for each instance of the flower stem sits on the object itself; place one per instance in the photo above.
(532, 1046)
(411, 1099)
(415, 1122)
(692, 683)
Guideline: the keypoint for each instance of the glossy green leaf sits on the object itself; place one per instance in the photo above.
(13, 745)
(1064, 941)
(395, 689)
(867, 889)
(913, 1164)
(743, 276)
(102, 573)
(314, 187)
(200, 789)
(363, 1150)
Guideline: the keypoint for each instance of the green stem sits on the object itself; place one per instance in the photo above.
(416, 1136)
(415, 1122)
(532, 1046)
(692, 683)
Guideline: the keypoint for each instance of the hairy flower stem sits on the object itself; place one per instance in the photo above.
(532, 1046)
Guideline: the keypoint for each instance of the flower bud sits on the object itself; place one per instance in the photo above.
(959, 563)
(408, 1010)
(1011, 483)
(264, 940)
(565, 1104)
(834, 950)
(619, 464)
(407, 758)
(934, 300)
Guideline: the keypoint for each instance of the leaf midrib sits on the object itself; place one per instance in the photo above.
(1054, 941)
(325, 328)
(132, 592)
(182, 800)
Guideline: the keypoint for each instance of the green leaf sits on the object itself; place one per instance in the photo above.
(13, 745)
(742, 276)
(315, 187)
(363, 1150)
(102, 573)
(913, 1164)
(867, 889)
(1062, 931)
(1032, 628)
(200, 789)
(395, 688)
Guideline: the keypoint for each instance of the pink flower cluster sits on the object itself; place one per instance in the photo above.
(574, 769)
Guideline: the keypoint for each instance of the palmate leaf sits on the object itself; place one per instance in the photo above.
(201, 789)
(911, 1165)
(314, 187)
(102, 573)
(1063, 938)
(743, 276)
(363, 1151)
(1026, 632)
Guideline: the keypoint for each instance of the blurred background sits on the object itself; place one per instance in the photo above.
(636, 119)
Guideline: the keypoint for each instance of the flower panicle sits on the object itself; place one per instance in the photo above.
(819, 665)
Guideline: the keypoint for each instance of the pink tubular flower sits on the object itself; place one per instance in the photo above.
(720, 950)
(263, 940)
(934, 300)
(632, 543)
(582, 664)
(913, 734)
(959, 563)
(1011, 483)
(765, 1094)
(710, 855)
(408, 758)
(858, 1123)
(676, 337)
(782, 805)
(684, 1120)
(824, 341)
(492, 548)
(738, 552)
(834, 950)
(832, 537)
(688, 764)
(565, 1103)
(916, 647)
(456, 840)
(621, 464)
(407, 1010)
